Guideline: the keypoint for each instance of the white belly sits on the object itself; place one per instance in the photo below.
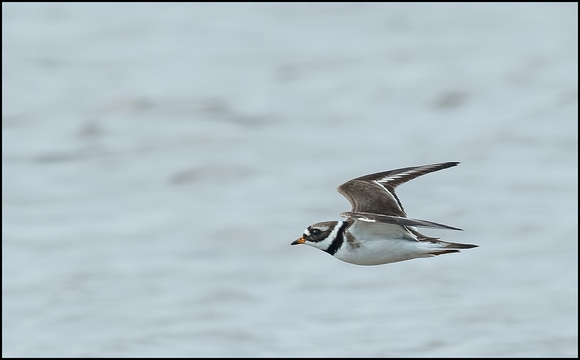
(381, 244)
(382, 252)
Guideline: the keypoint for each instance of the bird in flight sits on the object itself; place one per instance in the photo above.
(377, 230)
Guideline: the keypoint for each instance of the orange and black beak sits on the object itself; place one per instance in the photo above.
(299, 241)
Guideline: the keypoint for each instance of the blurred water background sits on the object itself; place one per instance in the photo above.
(158, 159)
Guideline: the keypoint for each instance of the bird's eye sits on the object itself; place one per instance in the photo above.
(315, 232)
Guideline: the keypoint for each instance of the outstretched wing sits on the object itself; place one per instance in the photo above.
(396, 220)
(375, 193)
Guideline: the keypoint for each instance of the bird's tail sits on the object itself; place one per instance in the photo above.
(445, 247)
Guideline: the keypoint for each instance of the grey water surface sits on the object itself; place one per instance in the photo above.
(159, 159)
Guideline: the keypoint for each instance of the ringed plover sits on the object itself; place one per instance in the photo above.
(377, 230)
